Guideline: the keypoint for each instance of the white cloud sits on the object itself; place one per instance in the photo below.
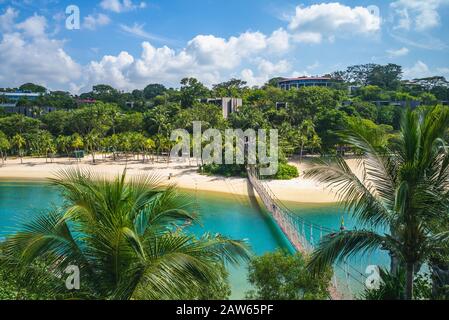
(111, 70)
(40, 60)
(419, 70)
(119, 6)
(93, 21)
(7, 19)
(392, 53)
(205, 57)
(279, 41)
(29, 53)
(137, 30)
(228, 53)
(266, 71)
(33, 26)
(269, 68)
(422, 70)
(417, 14)
(329, 20)
(308, 37)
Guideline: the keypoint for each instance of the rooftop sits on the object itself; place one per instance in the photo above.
(20, 94)
(305, 78)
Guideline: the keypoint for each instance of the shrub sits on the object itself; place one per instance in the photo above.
(286, 172)
(282, 276)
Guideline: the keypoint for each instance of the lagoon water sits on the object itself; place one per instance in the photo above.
(230, 215)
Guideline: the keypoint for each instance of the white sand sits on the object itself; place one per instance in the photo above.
(185, 176)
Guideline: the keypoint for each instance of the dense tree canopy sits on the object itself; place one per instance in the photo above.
(378, 99)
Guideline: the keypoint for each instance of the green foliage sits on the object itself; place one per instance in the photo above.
(157, 111)
(387, 77)
(392, 287)
(128, 239)
(394, 194)
(153, 90)
(281, 276)
(191, 91)
(4, 142)
(218, 288)
(99, 117)
(225, 170)
(57, 122)
(286, 172)
(231, 88)
(376, 135)
(366, 110)
(129, 121)
(31, 87)
(19, 124)
(327, 126)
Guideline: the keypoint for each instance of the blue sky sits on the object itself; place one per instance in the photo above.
(131, 43)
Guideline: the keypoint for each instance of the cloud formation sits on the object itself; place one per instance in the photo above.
(394, 53)
(420, 15)
(29, 53)
(93, 21)
(331, 20)
(422, 70)
(119, 6)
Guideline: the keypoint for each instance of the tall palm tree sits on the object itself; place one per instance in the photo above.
(19, 142)
(400, 190)
(126, 236)
(305, 133)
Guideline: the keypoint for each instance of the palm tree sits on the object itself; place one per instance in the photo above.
(126, 236)
(401, 190)
(77, 143)
(92, 142)
(47, 144)
(149, 145)
(5, 145)
(19, 142)
(64, 144)
(305, 134)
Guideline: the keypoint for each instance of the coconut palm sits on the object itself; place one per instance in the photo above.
(306, 135)
(92, 141)
(399, 191)
(5, 145)
(19, 142)
(126, 236)
(64, 144)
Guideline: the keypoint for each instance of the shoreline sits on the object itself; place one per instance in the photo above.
(184, 176)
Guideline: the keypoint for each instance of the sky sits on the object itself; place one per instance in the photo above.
(131, 43)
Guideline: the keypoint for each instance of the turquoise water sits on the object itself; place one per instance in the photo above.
(233, 216)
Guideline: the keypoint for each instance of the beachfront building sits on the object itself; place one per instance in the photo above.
(9, 103)
(228, 105)
(288, 83)
(14, 97)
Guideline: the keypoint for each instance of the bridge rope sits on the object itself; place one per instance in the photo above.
(294, 227)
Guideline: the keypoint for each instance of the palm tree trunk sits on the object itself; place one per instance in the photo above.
(409, 281)
(394, 264)
(301, 153)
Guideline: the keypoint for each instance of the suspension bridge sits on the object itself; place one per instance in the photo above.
(303, 236)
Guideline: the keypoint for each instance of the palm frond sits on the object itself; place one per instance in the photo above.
(337, 247)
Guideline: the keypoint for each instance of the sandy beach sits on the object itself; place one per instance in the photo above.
(185, 176)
